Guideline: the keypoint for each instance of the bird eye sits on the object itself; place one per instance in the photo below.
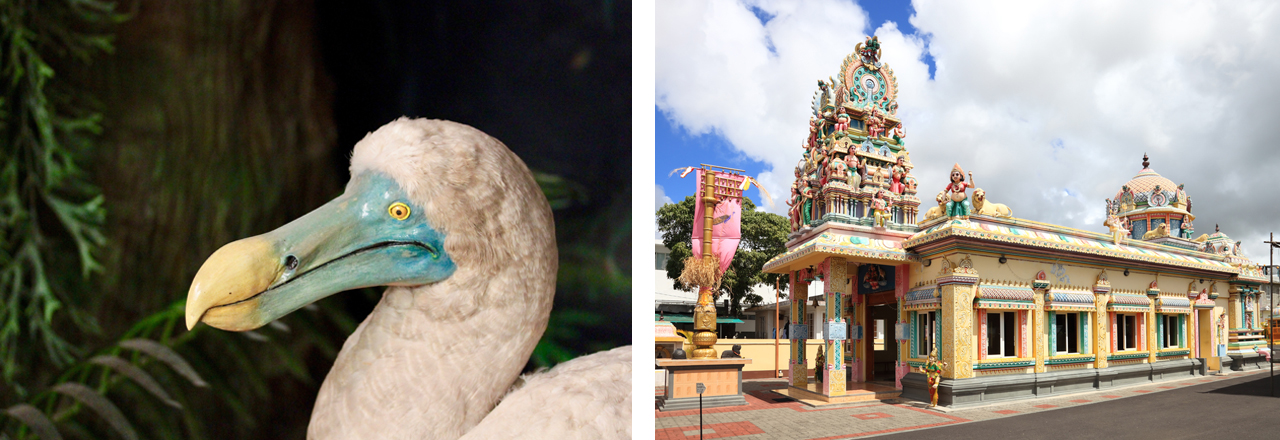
(398, 211)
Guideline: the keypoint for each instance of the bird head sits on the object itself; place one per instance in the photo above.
(430, 203)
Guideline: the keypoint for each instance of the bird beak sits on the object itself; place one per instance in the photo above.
(351, 242)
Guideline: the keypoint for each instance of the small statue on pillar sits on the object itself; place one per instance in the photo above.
(933, 370)
(958, 205)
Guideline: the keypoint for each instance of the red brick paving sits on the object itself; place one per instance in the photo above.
(953, 421)
(875, 415)
(1005, 411)
(731, 429)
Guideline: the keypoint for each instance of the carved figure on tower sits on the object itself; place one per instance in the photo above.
(875, 124)
(957, 205)
(1187, 228)
(794, 205)
(899, 173)
(899, 134)
(880, 208)
(839, 170)
(869, 51)
(856, 170)
(812, 142)
(842, 121)
(806, 210)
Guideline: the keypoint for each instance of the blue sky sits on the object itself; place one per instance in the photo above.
(676, 147)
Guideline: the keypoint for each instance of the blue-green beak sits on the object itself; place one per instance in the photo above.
(371, 235)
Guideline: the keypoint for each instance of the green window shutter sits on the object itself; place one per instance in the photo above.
(1084, 337)
(1160, 330)
(1053, 334)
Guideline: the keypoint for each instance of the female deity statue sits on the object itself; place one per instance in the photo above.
(933, 370)
(793, 212)
(880, 209)
(899, 134)
(855, 170)
(842, 121)
(812, 142)
(1187, 228)
(875, 125)
(958, 205)
(899, 173)
(806, 208)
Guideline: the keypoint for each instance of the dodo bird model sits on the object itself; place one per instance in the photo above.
(455, 225)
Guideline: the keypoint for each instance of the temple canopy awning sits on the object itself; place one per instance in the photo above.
(836, 244)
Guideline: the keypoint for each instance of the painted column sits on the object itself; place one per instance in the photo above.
(859, 318)
(1038, 336)
(799, 293)
(955, 346)
(837, 287)
(1153, 341)
(1103, 340)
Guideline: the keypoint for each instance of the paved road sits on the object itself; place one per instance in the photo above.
(1237, 408)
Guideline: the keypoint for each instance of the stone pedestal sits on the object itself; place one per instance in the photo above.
(722, 377)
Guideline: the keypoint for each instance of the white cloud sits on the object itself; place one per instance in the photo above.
(1050, 104)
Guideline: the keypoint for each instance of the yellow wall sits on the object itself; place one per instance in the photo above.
(760, 351)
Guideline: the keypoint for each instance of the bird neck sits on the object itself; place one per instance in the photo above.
(430, 359)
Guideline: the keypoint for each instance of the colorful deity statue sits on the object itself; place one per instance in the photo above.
(875, 124)
(933, 370)
(1118, 228)
(842, 121)
(1187, 228)
(899, 173)
(839, 171)
(899, 134)
(812, 142)
(795, 204)
(806, 209)
(880, 209)
(957, 205)
(855, 170)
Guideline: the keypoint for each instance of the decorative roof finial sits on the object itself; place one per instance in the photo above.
(1215, 227)
(1145, 163)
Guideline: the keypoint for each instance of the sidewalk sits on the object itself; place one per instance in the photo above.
(769, 415)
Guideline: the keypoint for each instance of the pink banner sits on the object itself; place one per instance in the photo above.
(726, 218)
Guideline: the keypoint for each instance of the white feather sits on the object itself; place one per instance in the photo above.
(432, 361)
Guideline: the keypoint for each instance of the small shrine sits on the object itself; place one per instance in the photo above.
(972, 305)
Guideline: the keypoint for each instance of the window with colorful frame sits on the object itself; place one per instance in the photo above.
(1126, 331)
(1171, 328)
(924, 332)
(1067, 332)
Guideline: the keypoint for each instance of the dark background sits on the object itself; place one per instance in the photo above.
(225, 119)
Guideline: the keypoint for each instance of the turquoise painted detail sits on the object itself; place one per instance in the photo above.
(1084, 334)
(1160, 330)
(1173, 353)
(1053, 332)
(1010, 364)
(1118, 357)
(1070, 360)
(353, 242)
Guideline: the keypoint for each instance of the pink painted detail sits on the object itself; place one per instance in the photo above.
(1113, 331)
(900, 371)
(900, 280)
(1024, 349)
(1142, 331)
(857, 371)
(982, 334)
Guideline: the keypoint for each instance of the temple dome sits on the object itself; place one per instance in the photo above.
(1146, 181)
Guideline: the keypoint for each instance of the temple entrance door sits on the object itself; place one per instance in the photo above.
(880, 348)
(1205, 344)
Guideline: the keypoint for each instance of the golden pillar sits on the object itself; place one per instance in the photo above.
(1101, 324)
(704, 314)
(955, 346)
(1039, 338)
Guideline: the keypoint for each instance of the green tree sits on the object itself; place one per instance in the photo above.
(764, 236)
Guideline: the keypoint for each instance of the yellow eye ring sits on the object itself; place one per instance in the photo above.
(398, 211)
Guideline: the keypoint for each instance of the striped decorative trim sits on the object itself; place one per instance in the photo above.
(1005, 305)
(1130, 300)
(1173, 353)
(1007, 364)
(1070, 360)
(1116, 357)
(1005, 293)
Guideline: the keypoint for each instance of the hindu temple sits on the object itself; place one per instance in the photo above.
(996, 306)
